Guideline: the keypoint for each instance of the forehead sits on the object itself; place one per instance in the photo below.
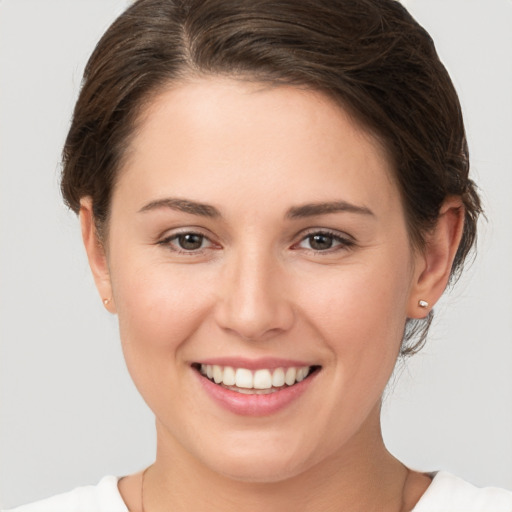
(215, 136)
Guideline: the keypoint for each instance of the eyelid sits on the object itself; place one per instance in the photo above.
(345, 240)
(169, 236)
(327, 231)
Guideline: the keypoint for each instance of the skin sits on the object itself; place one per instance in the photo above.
(258, 288)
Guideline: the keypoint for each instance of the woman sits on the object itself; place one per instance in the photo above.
(273, 196)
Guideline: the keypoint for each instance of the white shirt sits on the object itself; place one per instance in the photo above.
(446, 493)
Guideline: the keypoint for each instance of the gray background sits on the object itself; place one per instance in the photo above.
(69, 412)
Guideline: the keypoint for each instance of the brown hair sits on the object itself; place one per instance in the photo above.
(369, 55)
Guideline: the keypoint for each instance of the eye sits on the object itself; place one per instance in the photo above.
(186, 242)
(323, 241)
(320, 241)
(190, 241)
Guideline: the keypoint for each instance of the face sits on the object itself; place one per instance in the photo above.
(257, 236)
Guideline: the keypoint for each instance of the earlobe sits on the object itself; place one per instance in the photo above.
(434, 263)
(96, 254)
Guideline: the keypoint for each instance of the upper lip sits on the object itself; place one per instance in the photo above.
(269, 363)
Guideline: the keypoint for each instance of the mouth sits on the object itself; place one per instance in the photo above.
(262, 381)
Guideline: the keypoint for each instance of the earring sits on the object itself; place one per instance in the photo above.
(106, 302)
(423, 304)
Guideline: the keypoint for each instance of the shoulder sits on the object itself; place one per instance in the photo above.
(448, 492)
(103, 497)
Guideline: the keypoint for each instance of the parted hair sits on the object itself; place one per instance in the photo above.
(370, 56)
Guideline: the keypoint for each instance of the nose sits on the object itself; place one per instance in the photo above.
(253, 301)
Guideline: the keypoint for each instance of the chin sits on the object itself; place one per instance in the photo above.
(261, 462)
(262, 470)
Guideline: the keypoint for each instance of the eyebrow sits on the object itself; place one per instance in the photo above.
(182, 205)
(313, 209)
(296, 212)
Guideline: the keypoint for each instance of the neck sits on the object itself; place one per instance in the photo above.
(363, 476)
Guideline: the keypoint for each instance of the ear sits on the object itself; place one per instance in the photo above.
(434, 263)
(96, 254)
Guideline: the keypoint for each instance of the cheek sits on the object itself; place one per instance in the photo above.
(360, 315)
(159, 299)
(159, 309)
(361, 311)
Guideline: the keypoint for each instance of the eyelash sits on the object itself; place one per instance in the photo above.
(167, 241)
(344, 243)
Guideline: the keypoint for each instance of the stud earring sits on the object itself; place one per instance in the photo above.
(106, 302)
(423, 304)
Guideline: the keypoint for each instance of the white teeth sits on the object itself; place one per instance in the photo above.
(263, 379)
(278, 378)
(243, 378)
(301, 373)
(217, 374)
(291, 374)
(229, 376)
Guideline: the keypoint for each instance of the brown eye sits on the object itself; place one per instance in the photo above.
(190, 241)
(320, 241)
(324, 241)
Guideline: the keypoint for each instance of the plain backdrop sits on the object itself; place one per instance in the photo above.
(69, 412)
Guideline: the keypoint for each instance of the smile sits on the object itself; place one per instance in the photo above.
(261, 381)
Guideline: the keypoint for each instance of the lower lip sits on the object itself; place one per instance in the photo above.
(255, 405)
